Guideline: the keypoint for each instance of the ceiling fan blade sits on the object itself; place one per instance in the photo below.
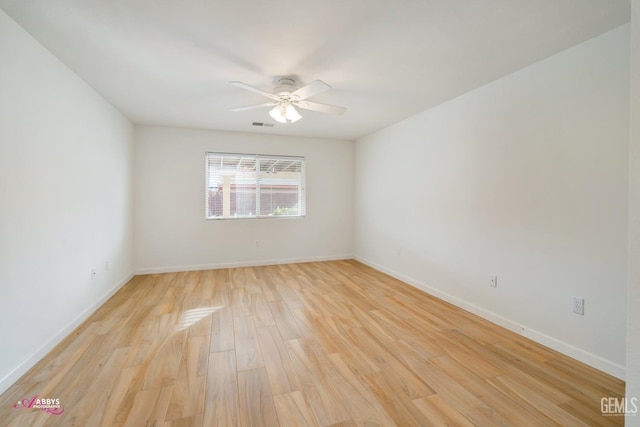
(310, 90)
(323, 108)
(254, 89)
(251, 107)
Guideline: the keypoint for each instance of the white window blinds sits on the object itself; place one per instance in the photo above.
(254, 186)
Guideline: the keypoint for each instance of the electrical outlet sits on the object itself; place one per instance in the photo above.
(398, 252)
(93, 273)
(578, 305)
(494, 282)
(257, 243)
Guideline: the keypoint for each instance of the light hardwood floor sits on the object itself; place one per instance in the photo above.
(317, 344)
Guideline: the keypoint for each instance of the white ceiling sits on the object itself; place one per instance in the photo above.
(169, 62)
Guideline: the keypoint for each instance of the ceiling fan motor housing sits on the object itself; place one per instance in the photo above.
(285, 86)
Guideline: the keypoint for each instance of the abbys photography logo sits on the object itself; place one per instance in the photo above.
(618, 406)
(50, 406)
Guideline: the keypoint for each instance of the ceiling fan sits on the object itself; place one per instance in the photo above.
(286, 97)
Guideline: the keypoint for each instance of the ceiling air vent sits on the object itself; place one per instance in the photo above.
(267, 125)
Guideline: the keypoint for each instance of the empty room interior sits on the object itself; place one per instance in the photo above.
(335, 213)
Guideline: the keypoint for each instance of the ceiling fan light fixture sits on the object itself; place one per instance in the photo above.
(285, 113)
(292, 114)
(278, 114)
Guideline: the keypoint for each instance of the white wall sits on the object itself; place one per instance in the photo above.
(633, 322)
(65, 200)
(171, 232)
(524, 178)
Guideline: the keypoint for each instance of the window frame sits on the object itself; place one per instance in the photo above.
(258, 157)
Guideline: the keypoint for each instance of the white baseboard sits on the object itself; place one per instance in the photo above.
(560, 346)
(217, 266)
(34, 358)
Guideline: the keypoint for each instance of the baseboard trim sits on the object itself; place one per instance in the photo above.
(255, 263)
(35, 357)
(583, 356)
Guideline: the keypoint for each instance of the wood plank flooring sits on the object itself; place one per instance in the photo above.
(314, 344)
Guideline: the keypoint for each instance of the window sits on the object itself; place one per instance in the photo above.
(254, 186)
